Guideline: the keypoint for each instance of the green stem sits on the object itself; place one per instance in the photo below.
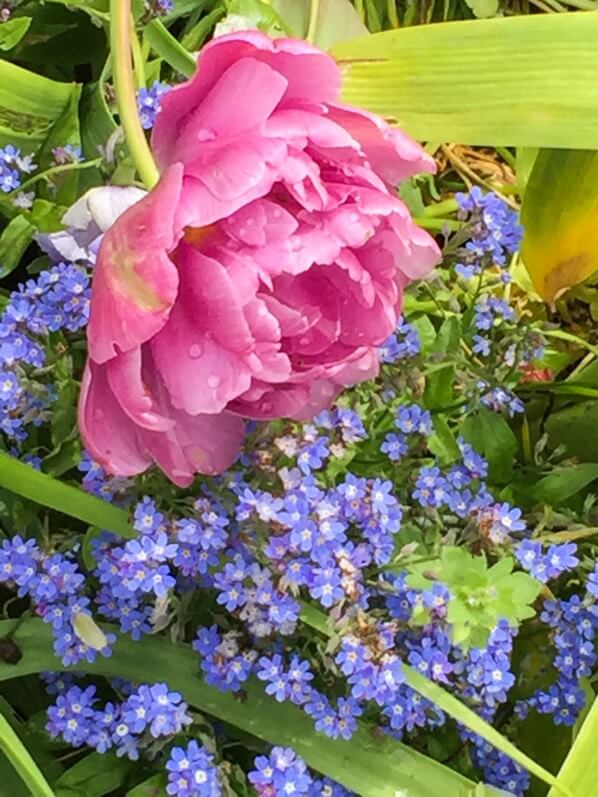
(440, 208)
(560, 335)
(64, 167)
(139, 74)
(313, 20)
(19, 757)
(124, 86)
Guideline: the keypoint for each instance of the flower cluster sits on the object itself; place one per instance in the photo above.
(99, 483)
(495, 233)
(573, 624)
(13, 165)
(55, 586)
(558, 559)
(148, 712)
(149, 100)
(57, 300)
(191, 772)
(283, 772)
(404, 343)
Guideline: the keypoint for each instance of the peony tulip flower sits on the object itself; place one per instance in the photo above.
(260, 274)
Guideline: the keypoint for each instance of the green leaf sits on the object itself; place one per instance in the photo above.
(194, 39)
(559, 211)
(65, 130)
(490, 435)
(17, 753)
(15, 238)
(55, 494)
(579, 773)
(152, 787)
(168, 48)
(12, 31)
(370, 766)
(483, 9)
(258, 14)
(337, 20)
(29, 105)
(565, 482)
(94, 776)
(442, 442)
(575, 429)
(493, 81)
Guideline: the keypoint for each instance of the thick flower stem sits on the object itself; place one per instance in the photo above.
(124, 86)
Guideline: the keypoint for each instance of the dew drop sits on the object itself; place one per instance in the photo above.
(206, 134)
(242, 232)
(262, 310)
(213, 380)
(277, 213)
(98, 415)
(250, 222)
(266, 406)
(195, 350)
(295, 242)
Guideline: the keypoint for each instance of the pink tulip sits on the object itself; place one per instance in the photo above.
(258, 277)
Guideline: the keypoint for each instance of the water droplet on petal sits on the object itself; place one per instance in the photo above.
(266, 406)
(250, 222)
(277, 213)
(242, 232)
(98, 415)
(262, 310)
(195, 350)
(206, 134)
(213, 380)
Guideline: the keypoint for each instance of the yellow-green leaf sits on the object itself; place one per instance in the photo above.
(525, 81)
(560, 220)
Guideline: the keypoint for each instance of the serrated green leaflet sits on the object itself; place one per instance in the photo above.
(371, 765)
(494, 81)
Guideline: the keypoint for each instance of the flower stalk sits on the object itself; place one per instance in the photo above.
(124, 87)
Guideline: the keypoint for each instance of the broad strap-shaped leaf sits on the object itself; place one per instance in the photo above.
(371, 765)
(19, 757)
(30, 105)
(560, 220)
(579, 772)
(520, 81)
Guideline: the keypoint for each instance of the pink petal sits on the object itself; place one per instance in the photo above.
(195, 444)
(243, 98)
(225, 179)
(135, 282)
(125, 378)
(392, 154)
(199, 352)
(108, 434)
(309, 73)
